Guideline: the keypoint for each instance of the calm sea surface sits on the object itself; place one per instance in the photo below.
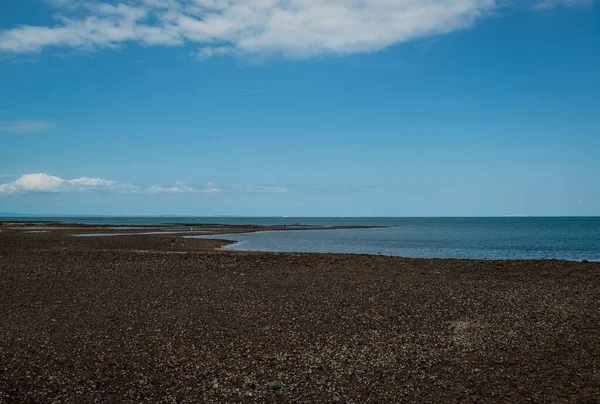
(571, 238)
(486, 238)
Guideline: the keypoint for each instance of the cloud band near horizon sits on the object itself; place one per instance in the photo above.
(46, 183)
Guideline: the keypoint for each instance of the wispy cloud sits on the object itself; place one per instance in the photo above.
(182, 188)
(550, 4)
(23, 127)
(294, 28)
(160, 189)
(252, 188)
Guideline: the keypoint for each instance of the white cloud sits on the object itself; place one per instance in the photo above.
(266, 189)
(550, 4)
(295, 28)
(159, 189)
(42, 182)
(38, 182)
(182, 188)
(207, 51)
(91, 182)
(22, 127)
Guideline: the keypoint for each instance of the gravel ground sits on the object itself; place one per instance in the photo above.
(128, 319)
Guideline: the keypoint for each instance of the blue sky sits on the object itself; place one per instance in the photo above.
(306, 108)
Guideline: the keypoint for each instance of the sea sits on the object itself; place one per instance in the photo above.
(568, 238)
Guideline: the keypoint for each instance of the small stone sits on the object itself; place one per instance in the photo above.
(275, 385)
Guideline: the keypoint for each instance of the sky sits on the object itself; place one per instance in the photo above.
(300, 107)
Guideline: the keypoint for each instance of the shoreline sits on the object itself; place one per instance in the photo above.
(221, 228)
(154, 232)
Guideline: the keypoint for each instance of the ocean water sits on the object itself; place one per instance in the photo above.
(571, 238)
(480, 238)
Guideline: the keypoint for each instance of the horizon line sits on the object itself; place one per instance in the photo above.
(39, 215)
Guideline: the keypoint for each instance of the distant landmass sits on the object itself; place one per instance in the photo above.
(14, 214)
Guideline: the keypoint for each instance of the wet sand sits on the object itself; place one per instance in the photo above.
(130, 319)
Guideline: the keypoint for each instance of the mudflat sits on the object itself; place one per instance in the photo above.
(130, 319)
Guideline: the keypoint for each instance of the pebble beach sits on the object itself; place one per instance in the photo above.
(129, 319)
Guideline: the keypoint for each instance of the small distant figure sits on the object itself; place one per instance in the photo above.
(173, 240)
(183, 242)
(191, 229)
